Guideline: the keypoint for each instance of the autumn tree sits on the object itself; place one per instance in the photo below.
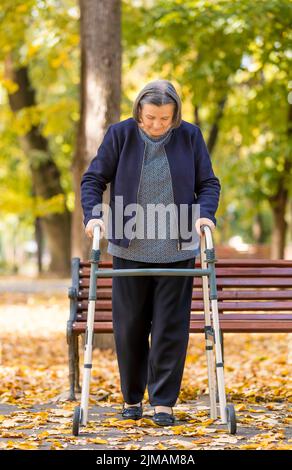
(100, 96)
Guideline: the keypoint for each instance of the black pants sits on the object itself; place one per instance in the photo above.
(158, 306)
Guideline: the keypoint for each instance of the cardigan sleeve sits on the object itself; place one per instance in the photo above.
(100, 172)
(207, 185)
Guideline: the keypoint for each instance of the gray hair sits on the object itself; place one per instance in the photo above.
(158, 92)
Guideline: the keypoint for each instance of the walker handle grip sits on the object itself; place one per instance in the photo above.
(96, 236)
(202, 227)
(208, 235)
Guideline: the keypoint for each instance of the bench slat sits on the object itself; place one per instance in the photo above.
(221, 282)
(256, 294)
(232, 272)
(262, 287)
(232, 262)
(107, 316)
(196, 305)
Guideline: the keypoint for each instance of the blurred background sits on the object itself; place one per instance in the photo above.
(68, 69)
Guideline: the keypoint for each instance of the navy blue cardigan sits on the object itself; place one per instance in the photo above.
(119, 162)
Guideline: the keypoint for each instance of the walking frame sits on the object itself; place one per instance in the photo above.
(212, 328)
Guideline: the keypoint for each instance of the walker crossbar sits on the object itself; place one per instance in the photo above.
(152, 272)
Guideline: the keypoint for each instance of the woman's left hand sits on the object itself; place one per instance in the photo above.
(204, 221)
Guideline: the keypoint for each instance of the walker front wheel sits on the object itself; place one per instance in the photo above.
(231, 419)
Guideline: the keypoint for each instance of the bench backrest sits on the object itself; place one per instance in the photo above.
(253, 295)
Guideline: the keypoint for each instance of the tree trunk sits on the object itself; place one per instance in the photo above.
(279, 202)
(279, 228)
(100, 96)
(213, 135)
(45, 174)
(196, 116)
(258, 228)
(39, 243)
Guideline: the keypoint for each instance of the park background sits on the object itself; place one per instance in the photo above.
(68, 70)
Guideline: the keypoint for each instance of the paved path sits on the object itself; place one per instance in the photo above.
(49, 427)
(30, 286)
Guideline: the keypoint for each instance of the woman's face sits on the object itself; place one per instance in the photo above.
(156, 120)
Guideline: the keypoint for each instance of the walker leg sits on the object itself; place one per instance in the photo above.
(227, 412)
(81, 412)
(219, 362)
(87, 363)
(211, 373)
(209, 340)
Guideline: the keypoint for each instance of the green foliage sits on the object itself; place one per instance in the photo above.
(44, 36)
(238, 51)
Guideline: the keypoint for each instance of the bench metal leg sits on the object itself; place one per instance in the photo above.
(222, 349)
(72, 339)
(71, 348)
(76, 364)
(74, 371)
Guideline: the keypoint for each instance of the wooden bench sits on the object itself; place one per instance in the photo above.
(254, 296)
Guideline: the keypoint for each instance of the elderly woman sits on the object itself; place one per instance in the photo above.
(153, 158)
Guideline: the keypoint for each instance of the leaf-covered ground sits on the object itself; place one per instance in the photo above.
(35, 414)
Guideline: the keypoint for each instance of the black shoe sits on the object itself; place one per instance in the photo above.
(133, 412)
(164, 419)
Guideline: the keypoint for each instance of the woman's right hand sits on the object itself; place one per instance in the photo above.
(91, 223)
